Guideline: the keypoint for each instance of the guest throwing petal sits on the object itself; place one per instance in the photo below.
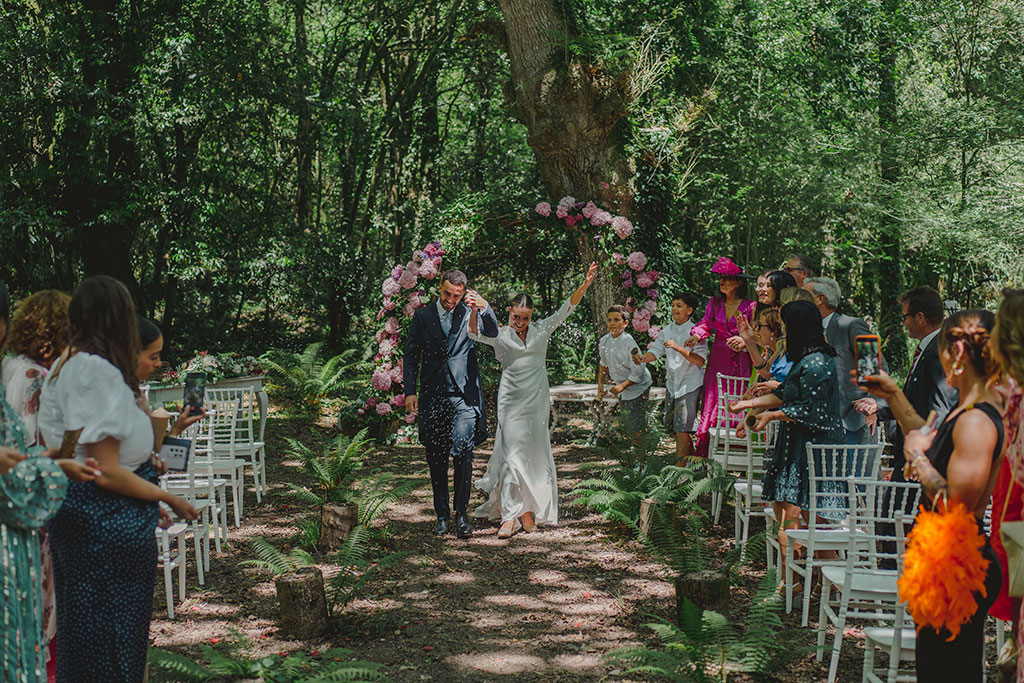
(520, 480)
(728, 354)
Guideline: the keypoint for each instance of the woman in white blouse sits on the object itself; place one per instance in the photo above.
(102, 538)
(521, 482)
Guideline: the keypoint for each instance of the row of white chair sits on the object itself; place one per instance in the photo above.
(227, 442)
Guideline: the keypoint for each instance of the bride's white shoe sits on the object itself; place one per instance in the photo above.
(507, 529)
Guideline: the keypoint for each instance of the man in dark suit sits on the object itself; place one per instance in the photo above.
(841, 331)
(440, 359)
(926, 386)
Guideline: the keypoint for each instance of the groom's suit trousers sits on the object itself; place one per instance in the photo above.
(450, 423)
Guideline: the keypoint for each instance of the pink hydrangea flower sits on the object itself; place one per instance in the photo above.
(589, 209)
(643, 281)
(396, 272)
(372, 402)
(654, 331)
(383, 408)
(652, 293)
(398, 400)
(396, 374)
(544, 209)
(651, 306)
(622, 227)
(386, 347)
(433, 250)
(429, 268)
(561, 211)
(391, 325)
(381, 379)
(408, 310)
(389, 305)
(408, 280)
(418, 256)
(567, 201)
(636, 260)
(641, 324)
(410, 418)
(381, 334)
(627, 283)
(600, 217)
(390, 287)
(618, 258)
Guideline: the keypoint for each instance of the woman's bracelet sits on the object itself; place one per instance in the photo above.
(761, 366)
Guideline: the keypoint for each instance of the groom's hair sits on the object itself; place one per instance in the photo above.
(620, 309)
(521, 300)
(456, 277)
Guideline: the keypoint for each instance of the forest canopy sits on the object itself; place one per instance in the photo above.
(253, 169)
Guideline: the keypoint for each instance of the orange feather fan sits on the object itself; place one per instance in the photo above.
(943, 569)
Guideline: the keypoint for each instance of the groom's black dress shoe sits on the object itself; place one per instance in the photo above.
(463, 529)
(442, 526)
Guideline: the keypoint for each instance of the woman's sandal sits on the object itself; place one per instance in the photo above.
(507, 529)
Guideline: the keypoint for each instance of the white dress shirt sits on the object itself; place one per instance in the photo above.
(617, 355)
(681, 376)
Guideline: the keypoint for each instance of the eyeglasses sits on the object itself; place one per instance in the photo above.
(762, 325)
(908, 315)
(791, 269)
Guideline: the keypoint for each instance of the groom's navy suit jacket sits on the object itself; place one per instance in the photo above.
(441, 366)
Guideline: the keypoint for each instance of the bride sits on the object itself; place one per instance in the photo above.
(520, 479)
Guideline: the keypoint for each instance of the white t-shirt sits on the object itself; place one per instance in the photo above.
(681, 376)
(616, 355)
(91, 394)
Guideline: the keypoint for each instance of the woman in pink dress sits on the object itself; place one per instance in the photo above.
(727, 354)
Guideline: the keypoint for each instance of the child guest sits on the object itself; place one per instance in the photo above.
(632, 382)
(684, 373)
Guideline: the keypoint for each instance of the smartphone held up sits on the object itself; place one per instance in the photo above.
(868, 349)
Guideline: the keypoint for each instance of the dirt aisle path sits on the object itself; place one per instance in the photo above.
(542, 606)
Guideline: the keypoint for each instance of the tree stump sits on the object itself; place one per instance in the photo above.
(336, 521)
(302, 602)
(647, 506)
(708, 589)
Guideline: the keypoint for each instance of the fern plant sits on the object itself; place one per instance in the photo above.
(355, 570)
(276, 562)
(351, 569)
(306, 380)
(705, 647)
(228, 663)
(333, 470)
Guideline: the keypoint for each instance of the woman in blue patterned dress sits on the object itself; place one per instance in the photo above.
(807, 405)
(104, 549)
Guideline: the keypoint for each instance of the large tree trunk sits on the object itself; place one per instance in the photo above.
(889, 281)
(304, 138)
(573, 111)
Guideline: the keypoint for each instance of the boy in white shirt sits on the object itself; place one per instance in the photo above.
(684, 373)
(632, 381)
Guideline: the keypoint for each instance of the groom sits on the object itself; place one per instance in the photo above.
(440, 354)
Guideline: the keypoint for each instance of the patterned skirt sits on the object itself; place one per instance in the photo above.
(104, 560)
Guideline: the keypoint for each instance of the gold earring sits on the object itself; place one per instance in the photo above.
(958, 368)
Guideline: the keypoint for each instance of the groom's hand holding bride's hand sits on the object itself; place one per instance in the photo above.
(474, 300)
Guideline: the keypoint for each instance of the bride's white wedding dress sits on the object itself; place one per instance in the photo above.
(521, 474)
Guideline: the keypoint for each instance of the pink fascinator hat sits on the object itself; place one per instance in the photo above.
(725, 266)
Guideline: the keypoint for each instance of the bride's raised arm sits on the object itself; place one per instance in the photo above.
(548, 324)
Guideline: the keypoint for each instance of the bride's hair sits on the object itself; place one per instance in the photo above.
(521, 300)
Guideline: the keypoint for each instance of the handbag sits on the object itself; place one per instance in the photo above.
(1012, 536)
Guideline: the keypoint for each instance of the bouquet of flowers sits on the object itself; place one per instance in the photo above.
(612, 235)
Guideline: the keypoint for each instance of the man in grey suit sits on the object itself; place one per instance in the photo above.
(840, 331)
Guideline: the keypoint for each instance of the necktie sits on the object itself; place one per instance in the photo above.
(917, 354)
(446, 323)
